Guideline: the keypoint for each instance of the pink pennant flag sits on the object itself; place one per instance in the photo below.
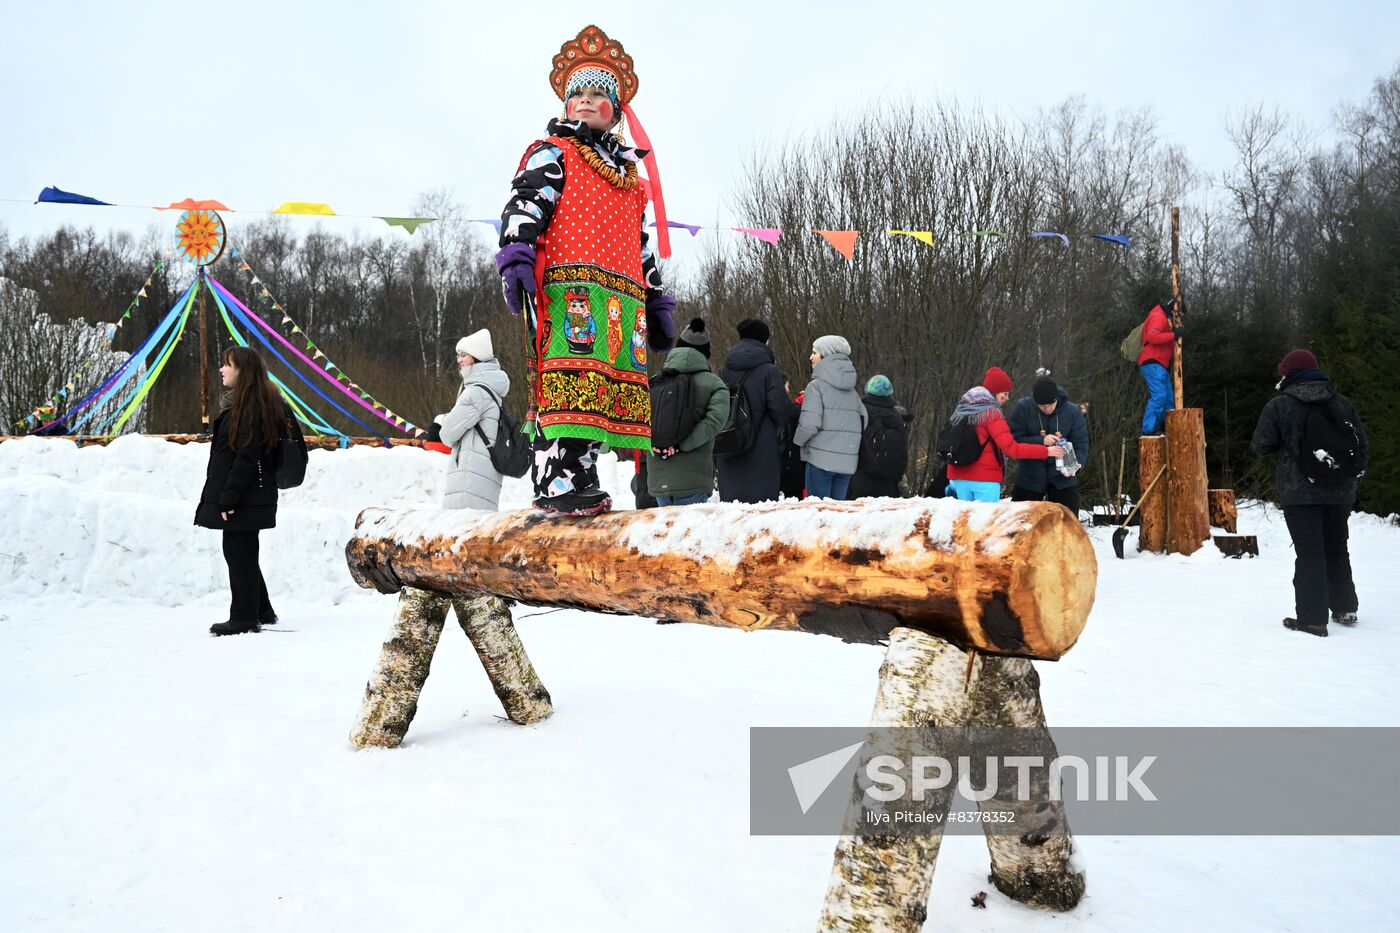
(844, 241)
(766, 234)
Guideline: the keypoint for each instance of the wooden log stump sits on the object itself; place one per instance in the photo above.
(1188, 501)
(1152, 513)
(391, 695)
(1223, 512)
(1237, 545)
(1008, 578)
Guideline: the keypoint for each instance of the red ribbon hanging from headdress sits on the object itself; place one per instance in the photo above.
(663, 232)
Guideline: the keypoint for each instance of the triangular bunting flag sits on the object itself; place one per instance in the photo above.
(304, 207)
(766, 234)
(142, 293)
(923, 236)
(408, 223)
(843, 241)
(286, 320)
(1047, 233)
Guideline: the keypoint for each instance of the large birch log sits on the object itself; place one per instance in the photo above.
(1152, 457)
(882, 882)
(1009, 578)
(391, 695)
(1188, 500)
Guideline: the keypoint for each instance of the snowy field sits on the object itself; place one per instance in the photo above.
(155, 778)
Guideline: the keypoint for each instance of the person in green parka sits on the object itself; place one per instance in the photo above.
(685, 474)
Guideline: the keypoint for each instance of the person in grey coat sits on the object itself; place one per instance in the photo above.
(1316, 512)
(832, 420)
(472, 482)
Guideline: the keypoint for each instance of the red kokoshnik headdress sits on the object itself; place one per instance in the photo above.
(599, 61)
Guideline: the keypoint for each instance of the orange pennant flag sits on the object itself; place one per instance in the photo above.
(844, 241)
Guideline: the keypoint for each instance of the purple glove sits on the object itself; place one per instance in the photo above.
(516, 263)
(661, 326)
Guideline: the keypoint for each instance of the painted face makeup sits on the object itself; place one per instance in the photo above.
(592, 106)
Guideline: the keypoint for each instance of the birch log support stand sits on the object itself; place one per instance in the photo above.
(881, 882)
(391, 696)
(1188, 500)
(1152, 513)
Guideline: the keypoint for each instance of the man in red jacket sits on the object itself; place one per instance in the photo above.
(1158, 342)
(980, 481)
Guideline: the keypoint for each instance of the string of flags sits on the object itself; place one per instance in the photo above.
(843, 241)
(49, 409)
(318, 356)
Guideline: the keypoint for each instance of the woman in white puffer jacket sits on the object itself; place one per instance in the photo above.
(472, 482)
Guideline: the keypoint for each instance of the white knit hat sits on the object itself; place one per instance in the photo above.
(831, 344)
(477, 345)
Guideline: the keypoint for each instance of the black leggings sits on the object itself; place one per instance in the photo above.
(249, 600)
(1068, 496)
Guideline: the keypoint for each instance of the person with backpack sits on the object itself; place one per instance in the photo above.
(884, 447)
(832, 420)
(1158, 342)
(689, 406)
(1044, 417)
(239, 498)
(748, 450)
(471, 427)
(976, 440)
(1320, 451)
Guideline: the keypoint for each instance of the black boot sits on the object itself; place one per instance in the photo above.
(588, 502)
(1344, 618)
(1295, 625)
(234, 628)
(267, 619)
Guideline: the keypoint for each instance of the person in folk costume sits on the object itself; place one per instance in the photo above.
(573, 237)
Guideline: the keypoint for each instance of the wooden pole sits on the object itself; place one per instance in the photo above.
(1152, 512)
(1014, 578)
(1188, 500)
(1176, 306)
(203, 355)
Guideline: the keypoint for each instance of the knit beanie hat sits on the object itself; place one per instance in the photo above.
(1045, 391)
(996, 381)
(831, 344)
(879, 385)
(1296, 361)
(697, 337)
(477, 345)
(753, 329)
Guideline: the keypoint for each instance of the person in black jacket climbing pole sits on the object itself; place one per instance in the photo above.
(240, 491)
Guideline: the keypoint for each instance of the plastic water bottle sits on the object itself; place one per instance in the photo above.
(1068, 465)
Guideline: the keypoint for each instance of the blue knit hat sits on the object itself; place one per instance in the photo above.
(879, 385)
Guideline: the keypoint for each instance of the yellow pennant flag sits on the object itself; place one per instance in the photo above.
(923, 236)
(305, 207)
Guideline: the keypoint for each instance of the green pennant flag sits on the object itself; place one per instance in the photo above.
(408, 223)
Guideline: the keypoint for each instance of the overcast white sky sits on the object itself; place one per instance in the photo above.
(366, 105)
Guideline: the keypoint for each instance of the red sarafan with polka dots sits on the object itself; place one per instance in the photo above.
(591, 334)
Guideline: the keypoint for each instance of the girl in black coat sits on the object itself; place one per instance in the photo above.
(240, 493)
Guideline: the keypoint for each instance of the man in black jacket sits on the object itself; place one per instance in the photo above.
(1315, 507)
(753, 476)
(1045, 417)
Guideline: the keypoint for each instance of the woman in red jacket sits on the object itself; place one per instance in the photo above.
(981, 405)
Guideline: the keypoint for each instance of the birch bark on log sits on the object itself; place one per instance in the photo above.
(391, 696)
(882, 882)
(1188, 501)
(1033, 865)
(1152, 509)
(487, 623)
(1010, 578)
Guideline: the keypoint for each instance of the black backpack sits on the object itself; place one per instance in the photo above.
(958, 444)
(511, 452)
(1329, 448)
(884, 451)
(672, 419)
(289, 461)
(741, 430)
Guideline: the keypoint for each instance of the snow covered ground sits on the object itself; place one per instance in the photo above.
(155, 778)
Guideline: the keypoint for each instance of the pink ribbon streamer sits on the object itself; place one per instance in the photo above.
(663, 231)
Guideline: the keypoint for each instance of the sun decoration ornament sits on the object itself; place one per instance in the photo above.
(592, 48)
(200, 237)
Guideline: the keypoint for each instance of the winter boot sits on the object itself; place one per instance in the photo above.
(234, 628)
(1295, 625)
(588, 502)
(1344, 618)
(268, 619)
